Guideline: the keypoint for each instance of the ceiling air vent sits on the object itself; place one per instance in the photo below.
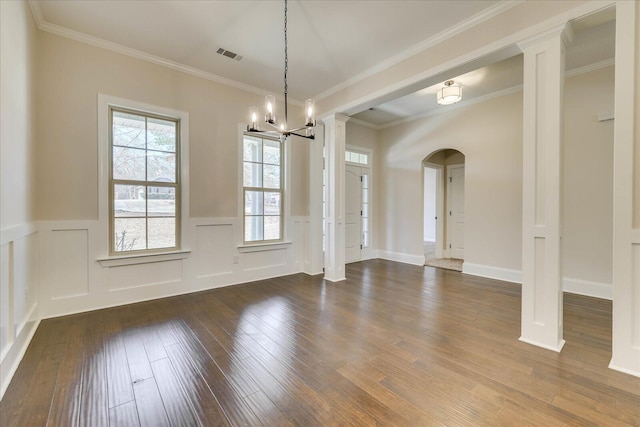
(229, 54)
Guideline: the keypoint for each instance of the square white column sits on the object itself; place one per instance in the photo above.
(334, 137)
(543, 130)
(314, 261)
(626, 160)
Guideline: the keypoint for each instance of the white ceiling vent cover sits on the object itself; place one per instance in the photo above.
(229, 54)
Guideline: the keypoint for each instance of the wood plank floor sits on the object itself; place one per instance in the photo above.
(394, 345)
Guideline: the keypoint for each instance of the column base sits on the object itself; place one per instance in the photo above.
(557, 348)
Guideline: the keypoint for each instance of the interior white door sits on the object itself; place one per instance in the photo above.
(353, 213)
(455, 204)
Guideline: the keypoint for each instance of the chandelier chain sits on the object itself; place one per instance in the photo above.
(286, 63)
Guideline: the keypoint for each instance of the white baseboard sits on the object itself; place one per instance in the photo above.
(573, 286)
(588, 288)
(13, 357)
(491, 272)
(401, 257)
(557, 348)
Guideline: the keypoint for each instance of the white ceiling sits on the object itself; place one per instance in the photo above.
(593, 43)
(330, 41)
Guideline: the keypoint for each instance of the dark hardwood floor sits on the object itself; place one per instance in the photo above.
(394, 345)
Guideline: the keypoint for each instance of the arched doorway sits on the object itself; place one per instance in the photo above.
(444, 209)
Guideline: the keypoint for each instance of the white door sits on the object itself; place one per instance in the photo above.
(455, 206)
(353, 213)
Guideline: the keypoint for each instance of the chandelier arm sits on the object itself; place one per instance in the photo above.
(297, 129)
(303, 136)
(274, 126)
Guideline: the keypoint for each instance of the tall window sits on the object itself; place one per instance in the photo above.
(262, 189)
(144, 182)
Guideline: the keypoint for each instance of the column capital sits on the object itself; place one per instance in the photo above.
(564, 31)
(336, 117)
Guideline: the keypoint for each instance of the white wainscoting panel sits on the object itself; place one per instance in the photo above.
(265, 260)
(212, 254)
(25, 259)
(19, 314)
(148, 274)
(69, 263)
(6, 297)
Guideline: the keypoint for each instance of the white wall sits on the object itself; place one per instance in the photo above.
(18, 236)
(588, 181)
(489, 134)
(71, 75)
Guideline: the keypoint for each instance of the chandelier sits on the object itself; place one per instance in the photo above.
(449, 94)
(281, 130)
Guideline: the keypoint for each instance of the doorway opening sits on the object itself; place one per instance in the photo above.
(357, 204)
(444, 209)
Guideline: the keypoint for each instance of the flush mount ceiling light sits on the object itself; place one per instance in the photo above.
(270, 107)
(449, 94)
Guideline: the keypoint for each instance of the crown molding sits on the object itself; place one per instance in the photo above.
(591, 67)
(568, 74)
(485, 15)
(456, 106)
(58, 30)
(363, 123)
(564, 31)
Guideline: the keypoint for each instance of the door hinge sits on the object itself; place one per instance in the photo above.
(450, 214)
(360, 178)
(449, 245)
(360, 247)
(450, 179)
(360, 213)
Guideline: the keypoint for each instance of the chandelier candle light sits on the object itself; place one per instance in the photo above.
(270, 106)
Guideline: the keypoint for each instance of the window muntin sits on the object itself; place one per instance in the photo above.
(262, 180)
(144, 183)
(356, 157)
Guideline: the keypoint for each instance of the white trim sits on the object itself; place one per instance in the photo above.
(58, 30)
(23, 341)
(491, 272)
(623, 370)
(588, 288)
(505, 42)
(401, 257)
(486, 97)
(104, 103)
(450, 32)
(261, 247)
(17, 232)
(591, 67)
(363, 123)
(570, 285)
(440, 217)
(557, 349)
(452, 107)
(117, 261)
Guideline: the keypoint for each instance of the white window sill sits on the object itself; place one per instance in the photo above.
(116, 261)
(259, 247)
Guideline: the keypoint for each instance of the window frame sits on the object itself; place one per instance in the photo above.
(263, 189)
(101, 250)
(145, 183)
